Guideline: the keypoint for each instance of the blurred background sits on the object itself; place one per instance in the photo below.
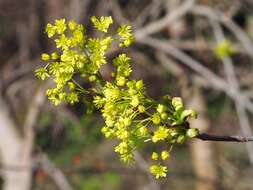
(200, 50)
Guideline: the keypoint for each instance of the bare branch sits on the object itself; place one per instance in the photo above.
(151, 9)
(208, 137)
(117, 12)
(217, 82)
(159, 25)
(55, 173)
(234, 85)
(226, 21)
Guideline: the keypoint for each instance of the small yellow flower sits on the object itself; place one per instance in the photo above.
(158, 171)
(160, 134)
(72, 24)
(60, 26)
(165, 155)
(154, 156)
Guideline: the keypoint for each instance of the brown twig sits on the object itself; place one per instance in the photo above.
(222, 138)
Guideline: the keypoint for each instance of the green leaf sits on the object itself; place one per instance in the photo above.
(181, 139)
(188, 113)
(177, 103)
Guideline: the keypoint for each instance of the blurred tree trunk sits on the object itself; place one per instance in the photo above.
(11, 150)
(203, 153)
(16, 148)
(54, 10)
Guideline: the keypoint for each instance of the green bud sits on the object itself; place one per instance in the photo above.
(54, 55)
(173, 132)
(177, 103)
(154, 156)
(139, 85)
(181, 139)
(127, 121)
(164, 116)
(121, 81)
(132, 91)
(45, 56)
(135, 101)
(188, 113)
(72, 86)
(92, 78)
(143, 130)
(160, 108)
(193, 132)
(156, 119)
(141, 109)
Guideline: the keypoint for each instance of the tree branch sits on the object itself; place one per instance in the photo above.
(209, 137)
(160, 24)
(217, 82)
(234, 85)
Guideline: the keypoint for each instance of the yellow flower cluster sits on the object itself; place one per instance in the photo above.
(130, 115)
